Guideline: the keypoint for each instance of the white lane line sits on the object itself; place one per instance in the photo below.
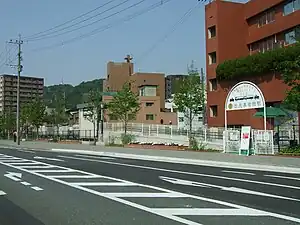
(38, 167)
(50, 159)
(25, 183)
(13, 160)
(2, 193)
(27, 151)
(103, 184)
(95, 157)
(53, 171)
(211, 212)
(145, 195)
(37, 188)
(75, 176)
(26, 163)
(237, 172)
(188, 173)
(283, 177)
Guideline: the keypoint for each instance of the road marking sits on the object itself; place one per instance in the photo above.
(13, 160)
(283, 177)
(75, 176)
(187, 173)
(37, 188)
(27, 151)
(237, 172)
(145, 195)
(25, 183)
(2, 193)
(155, 211)
(38, 167)
(50, 159)
(54, 171)
(13, 176)
(95, 157)
(103, 184)
(232, 189)
(26, 163)
(211, 212)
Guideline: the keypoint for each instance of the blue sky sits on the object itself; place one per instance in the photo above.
(86, 59)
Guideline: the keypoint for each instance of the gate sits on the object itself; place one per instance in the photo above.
(263, 142)
(232, 141)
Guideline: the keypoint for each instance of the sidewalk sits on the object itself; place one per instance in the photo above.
(269, 163)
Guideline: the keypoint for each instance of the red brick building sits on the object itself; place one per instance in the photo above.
(236, 30)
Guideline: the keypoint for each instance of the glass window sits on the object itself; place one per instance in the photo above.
(181, 119)
(290, 37)
(149, 117)
(297, 5)
(288, 8)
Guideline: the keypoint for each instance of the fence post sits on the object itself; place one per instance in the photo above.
(205, 135)
(157, 130)
(149, 130)
(171, 131)
(142, 129)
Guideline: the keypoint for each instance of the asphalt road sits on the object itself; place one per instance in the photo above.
(59, 188)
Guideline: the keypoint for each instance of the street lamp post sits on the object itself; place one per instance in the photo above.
(102, 120)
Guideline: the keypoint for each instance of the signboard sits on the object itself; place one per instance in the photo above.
(245, 137)
(244, 95)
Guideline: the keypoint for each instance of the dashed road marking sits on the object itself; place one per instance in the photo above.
(238, 172)
(283, 177)
(37, 188)
(25, 183)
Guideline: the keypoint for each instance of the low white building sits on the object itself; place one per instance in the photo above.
(182, 120)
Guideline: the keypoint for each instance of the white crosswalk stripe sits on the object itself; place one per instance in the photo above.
(133, 194)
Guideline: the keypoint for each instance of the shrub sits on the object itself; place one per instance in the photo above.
(127, 138)
(274, 61)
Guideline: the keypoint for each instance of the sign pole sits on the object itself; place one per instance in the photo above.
(265, 117)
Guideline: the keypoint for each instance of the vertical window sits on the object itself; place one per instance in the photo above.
(211, 32)
(213, 112)
(213, 85)
(149, 117)
(290, 37)
(212, 58)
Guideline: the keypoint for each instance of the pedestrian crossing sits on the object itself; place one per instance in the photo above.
(177, 206)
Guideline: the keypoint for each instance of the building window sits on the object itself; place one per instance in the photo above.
(264, 45)
(266, 18)
(181, 119)
(149, 117)
(213, 85)
(211, 32)
(213, 112)
(291, 6)
(291, 36)
(212, 58)
(200, 118)
(149, 104)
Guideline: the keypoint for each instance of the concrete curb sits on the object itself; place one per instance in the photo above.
(244, 166)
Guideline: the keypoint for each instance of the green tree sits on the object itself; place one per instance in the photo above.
(8, 122)
(57, 115)
(291, 76)
(94, 111)
(25, 117)
(190, 99)
(124, 106)
(37, 115)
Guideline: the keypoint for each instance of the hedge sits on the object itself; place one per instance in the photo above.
(277, 60)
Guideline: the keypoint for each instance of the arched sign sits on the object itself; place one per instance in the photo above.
(245, 95)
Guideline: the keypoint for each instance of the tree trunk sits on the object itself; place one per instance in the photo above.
(98, 125)
(190, 128)
(37, 132)
(125, 127)
(95, 140)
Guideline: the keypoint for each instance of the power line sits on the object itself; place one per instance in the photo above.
(104, 28)
(87, 25)
(69, 21)
(182, 19)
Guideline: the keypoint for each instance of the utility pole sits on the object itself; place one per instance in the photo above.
(19, 66)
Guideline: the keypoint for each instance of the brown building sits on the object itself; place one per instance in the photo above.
(30, 87)
(236, 30)
(149, 86)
